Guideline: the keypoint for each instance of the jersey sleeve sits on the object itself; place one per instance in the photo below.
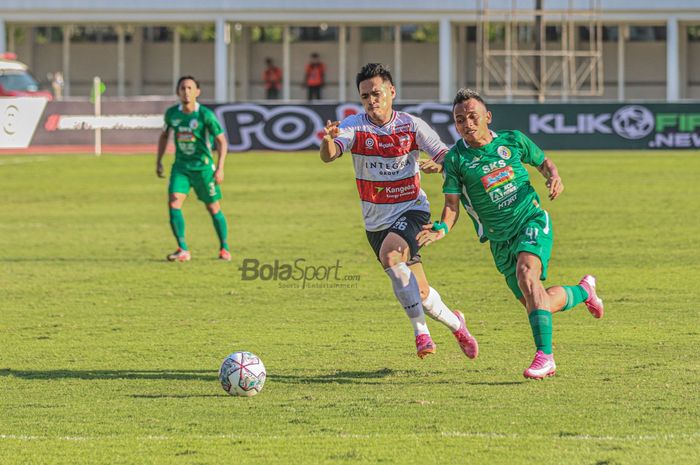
(531, 153)
(346, 136)
(212, 123)
(452, 184)
(429, 142)
(166, 121)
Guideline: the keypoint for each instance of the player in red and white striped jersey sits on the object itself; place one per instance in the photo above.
(385, 145)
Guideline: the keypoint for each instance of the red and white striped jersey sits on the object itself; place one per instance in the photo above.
(386, 164)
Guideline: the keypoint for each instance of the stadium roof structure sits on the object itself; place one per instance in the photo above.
(363, 11)
(281, 11)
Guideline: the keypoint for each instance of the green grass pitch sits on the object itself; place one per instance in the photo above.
(109, 354)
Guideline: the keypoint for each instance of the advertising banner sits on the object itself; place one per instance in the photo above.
(294, 127)
(125, 122)
(251, 126)
(18, 120)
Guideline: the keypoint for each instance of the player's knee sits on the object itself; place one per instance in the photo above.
(525, 271)
(213, 208)
(174, 202)
(527, 277)
(390, 258)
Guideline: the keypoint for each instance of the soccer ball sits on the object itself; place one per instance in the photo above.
(242, 374)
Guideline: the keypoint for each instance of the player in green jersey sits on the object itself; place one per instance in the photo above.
(193, 126)
(485, 171)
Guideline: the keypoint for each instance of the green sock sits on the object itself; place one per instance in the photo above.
(541, 323)
(177, 223)
(574, 296)
(221, 228)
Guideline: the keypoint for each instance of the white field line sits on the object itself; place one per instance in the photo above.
(19, 161)
(460, 434)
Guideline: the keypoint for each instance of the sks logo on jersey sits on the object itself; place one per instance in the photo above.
(503, 152)
(494, 165)
(194, 124)
(498, 178)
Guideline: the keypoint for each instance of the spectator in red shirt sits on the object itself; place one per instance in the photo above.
(315, 77)
(272, 77)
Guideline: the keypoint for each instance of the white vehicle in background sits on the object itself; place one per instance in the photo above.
(17, 81)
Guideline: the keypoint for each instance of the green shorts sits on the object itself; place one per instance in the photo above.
(202, 181)
(535, 237)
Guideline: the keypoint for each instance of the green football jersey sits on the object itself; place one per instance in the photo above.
(493, 184)
(192, 134)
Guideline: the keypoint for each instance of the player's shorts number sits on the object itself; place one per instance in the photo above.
(401, 224)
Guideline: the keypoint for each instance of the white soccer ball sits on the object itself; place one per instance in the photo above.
(242, 374)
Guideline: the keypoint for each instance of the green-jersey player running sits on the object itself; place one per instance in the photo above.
(193, 126)
(486, 172)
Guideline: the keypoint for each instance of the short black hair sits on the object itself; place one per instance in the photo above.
(465, 94)
(371, 70)
(184, 78)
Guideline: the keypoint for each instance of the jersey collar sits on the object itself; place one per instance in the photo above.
(391, 120)
(196, 107)
(466, 145)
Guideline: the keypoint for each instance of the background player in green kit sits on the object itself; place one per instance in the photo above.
(193, 126)
(486, 172)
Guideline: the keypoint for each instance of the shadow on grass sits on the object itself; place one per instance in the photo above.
(174, 396)
(383, 376)
(85, 260)
(372, 377)
(337, 377)
(203, 375)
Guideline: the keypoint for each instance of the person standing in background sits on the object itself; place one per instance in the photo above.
(272, 77)
(315, 77)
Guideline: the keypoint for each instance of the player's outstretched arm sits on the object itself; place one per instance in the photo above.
(329, 151)
(554, 183)
(435, 231)
(222, 150)
(162, 145)
(430, 166)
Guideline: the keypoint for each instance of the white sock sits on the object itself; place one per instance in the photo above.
(407, 292)
(436, 309)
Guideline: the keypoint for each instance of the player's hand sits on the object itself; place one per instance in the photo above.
(219, 175)
(555, 186)
(159, 170)
(428, 235)
(429, 166)
(332, 130)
